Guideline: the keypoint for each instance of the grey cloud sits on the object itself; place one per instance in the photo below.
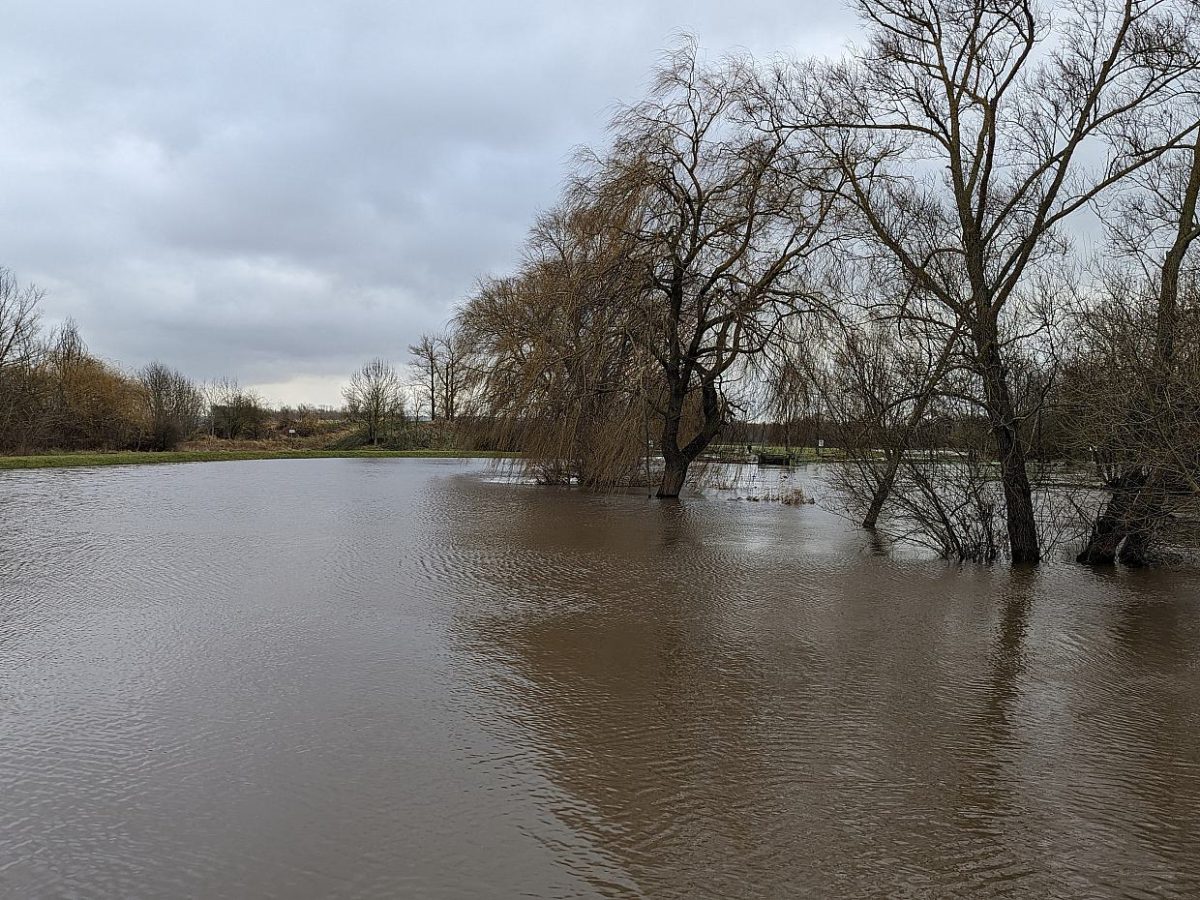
(278, 190)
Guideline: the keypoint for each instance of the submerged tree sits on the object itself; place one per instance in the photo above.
(679, 253)
(962, 147)
(886, 382)
(878, 360)
(1136, 398)
(722, 238)
(552, 368)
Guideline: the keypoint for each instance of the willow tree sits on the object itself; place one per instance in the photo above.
(968, 133)
(549, 361)
(674, 259)
(722, 240)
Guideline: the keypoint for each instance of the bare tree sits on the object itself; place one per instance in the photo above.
(719, 237)
(1139, 410)
(963, 152)
(437, 362)
(173, 405)
(18, 320)
(877, 360)
(452, 375)
(375, 399)
(674, 260)
(884, 385)
(235, 412)
(19, 350)
(427, 367)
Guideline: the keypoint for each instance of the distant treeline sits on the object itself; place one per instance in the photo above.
(55, 395)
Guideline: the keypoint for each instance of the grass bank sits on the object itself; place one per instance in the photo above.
(141, 458)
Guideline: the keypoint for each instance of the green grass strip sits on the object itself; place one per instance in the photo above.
(141, 458)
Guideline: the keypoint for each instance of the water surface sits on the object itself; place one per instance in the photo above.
(380, 678)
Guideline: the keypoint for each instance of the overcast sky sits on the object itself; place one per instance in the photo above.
(278, 190)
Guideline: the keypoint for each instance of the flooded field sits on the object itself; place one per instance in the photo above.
(381, 678)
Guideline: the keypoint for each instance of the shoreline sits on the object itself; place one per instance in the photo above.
(150, 457)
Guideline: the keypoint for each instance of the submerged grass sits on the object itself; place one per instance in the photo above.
(139, 457)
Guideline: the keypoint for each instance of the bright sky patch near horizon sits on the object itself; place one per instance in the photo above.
(276, 191)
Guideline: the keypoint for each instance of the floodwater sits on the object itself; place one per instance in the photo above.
(390, 678)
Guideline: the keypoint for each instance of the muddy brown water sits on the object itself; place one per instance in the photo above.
(389, 678)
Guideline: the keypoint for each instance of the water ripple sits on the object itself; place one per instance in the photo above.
(374, 678)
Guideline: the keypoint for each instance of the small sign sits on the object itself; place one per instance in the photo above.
(821, 442)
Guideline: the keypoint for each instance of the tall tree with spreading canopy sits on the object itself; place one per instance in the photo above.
(720, 241)
(677, 256)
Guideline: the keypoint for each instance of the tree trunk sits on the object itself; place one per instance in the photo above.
(1014, 478)
(1018, 498)
(1125, 529)
(1149, 507)
(1111, 527)
(674, 475)
(678, 459)
(883, 490)
(675, 465)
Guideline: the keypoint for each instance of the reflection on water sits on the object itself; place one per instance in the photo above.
(375, 678)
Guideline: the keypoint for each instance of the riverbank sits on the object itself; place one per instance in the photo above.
(141, 457)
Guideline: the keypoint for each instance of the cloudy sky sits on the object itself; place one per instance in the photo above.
(277, 190)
